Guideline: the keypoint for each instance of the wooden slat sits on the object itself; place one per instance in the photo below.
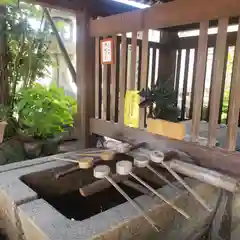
(114, 81)
(174, 13)
(176, 86)
(234, 99)
(213, 158)
(139, 66)
(153, 77)
(211, 86)
(144, 73)
(200, 77)
(108, 113)
(217, 80)
(104, 91)
(122, 80)
(117, 79)
(223, 85)
(153, 67)
(97, 71)
(193, 83)
(85, 78)
(185, 82)
(132, 84)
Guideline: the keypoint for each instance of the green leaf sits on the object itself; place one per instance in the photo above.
(9, 2)
(44, 111)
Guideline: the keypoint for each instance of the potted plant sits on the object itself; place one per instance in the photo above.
(163, 111)
(43, 113)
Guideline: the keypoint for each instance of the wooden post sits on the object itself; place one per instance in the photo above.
(122, 78)
(132, 84)
(200, 77)
(85, 78)
(217, 80)
(114, 79)
(144, 73)
(4, 91)
(233, 113)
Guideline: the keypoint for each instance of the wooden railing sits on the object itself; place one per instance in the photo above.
(189, 46)
(168, 16)
(127, 67)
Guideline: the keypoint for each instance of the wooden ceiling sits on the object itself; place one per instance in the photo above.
(151, 2)
(96, 7)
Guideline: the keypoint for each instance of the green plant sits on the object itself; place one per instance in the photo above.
(27, 45)
(44, 112)
(225, 104)
(4, 113)
(161, 101)
(25, 35)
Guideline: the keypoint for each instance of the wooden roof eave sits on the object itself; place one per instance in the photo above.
(95, 7)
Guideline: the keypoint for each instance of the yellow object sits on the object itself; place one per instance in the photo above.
(104, 155)
(85, 163)
(166, 128)
(131, 109)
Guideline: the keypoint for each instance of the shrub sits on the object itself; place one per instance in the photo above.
(44, 112)
(162, 100)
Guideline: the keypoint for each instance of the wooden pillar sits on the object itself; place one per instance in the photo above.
(167, 57)
(85, 78)
(4, 90)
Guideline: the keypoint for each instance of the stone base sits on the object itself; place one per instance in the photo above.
(26, 216)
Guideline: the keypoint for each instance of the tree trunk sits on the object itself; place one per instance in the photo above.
(4, 88)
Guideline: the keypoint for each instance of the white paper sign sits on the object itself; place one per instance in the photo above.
(107, 51)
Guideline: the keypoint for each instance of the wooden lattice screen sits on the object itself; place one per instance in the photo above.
(112, 81)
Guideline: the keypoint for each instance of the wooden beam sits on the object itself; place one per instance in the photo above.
(192, 42)
(213, 158)
(217, 81)
(200, 78)
(144, 73)
(170, 14)
(85, 77)
(122, 80)
(233, 112)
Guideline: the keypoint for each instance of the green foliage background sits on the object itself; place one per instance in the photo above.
(44, 112)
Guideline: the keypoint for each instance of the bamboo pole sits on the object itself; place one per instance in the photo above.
(205, 175)
(61, 45)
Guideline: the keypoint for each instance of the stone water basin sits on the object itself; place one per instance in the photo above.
(34, 205)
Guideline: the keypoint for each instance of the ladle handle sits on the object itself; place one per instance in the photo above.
(134, 204)
(193, 192)
(160, 196)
